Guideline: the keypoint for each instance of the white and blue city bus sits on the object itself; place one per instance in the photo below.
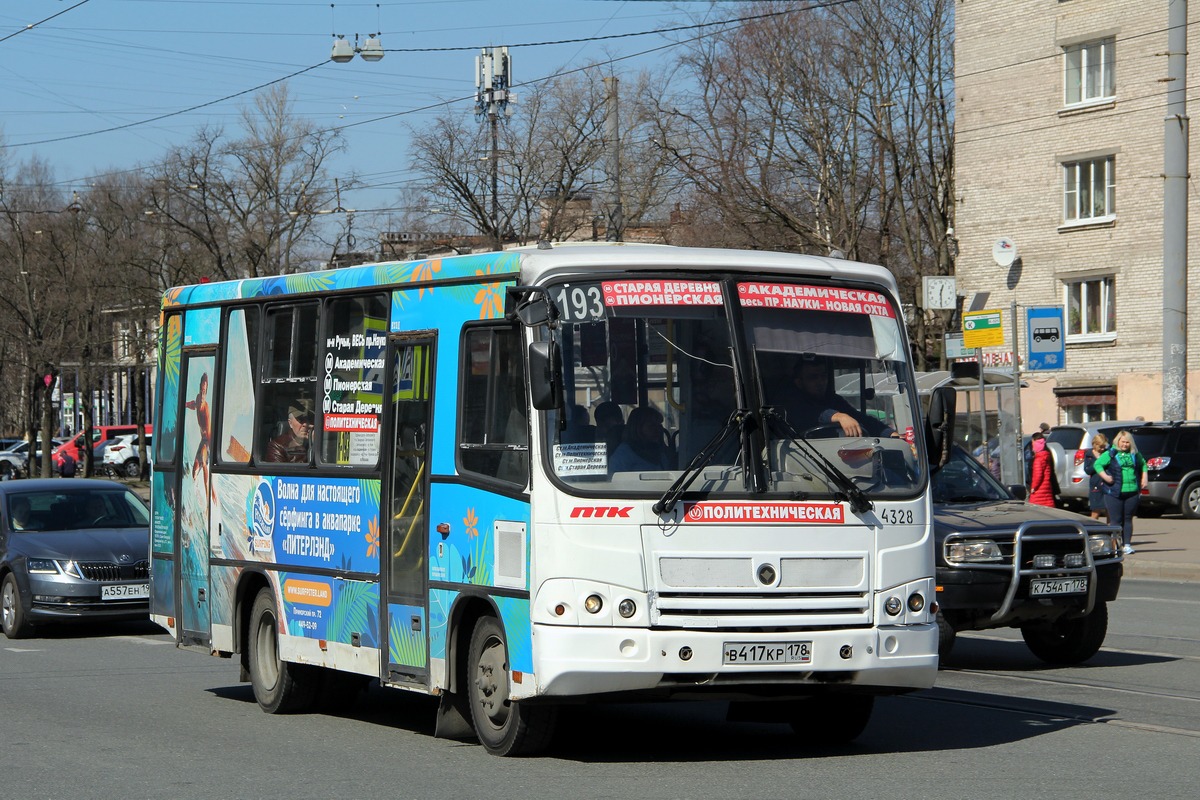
(460, 521)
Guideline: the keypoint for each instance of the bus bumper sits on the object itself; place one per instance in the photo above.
(591, 661)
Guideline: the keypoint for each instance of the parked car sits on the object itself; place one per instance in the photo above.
(15, 462)
(1004, 563)
(71, 549)
(121, 455)
(1069, 445)
(11, 464)
(100, 434)
(1172, 453)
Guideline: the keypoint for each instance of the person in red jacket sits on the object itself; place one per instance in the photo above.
(1042, 485)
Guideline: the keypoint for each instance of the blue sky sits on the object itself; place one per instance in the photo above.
(107, 63)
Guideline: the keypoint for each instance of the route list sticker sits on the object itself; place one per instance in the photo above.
(814, 298)
(662, 293)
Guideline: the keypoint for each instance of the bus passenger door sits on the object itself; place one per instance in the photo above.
(406, 622)
(193, 493)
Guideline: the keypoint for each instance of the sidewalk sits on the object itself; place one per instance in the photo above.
(1168, 548)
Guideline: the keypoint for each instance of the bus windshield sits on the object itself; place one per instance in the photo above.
(732, 386)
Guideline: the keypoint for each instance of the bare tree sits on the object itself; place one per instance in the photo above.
(249, 204)
(840, 141)
(550, 162)
(907, 46)
(39, 261)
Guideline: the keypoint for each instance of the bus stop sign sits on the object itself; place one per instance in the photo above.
(1046, 338)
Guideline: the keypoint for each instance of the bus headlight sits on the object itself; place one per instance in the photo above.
(916, 602)
(892, 605)
(593, 604)
(627, 608)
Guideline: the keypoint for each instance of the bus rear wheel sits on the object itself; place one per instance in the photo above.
(279, 686)
(504, 727)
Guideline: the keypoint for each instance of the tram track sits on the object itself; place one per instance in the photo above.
(1052, 694)
(1025, 706)
(1086, 685)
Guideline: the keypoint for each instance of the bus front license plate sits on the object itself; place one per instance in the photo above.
(773, 653)
(1040, 588)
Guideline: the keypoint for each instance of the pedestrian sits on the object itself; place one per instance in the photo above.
(1123, 470)
(1095, 482)
(1043, 487)
(1044, 428)
(66, 467)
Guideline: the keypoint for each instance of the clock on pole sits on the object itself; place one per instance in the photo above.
(940, 292)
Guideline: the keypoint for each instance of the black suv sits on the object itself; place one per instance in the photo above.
(1004, 563)
(1172, 453)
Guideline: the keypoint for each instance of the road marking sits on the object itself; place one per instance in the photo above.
(23, 649)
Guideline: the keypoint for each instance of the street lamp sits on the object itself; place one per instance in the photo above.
(343, 51)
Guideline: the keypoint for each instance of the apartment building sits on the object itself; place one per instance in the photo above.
(1060, 108)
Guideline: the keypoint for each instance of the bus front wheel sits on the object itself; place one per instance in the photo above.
(831, 720)
(504, 727)
(278, 686)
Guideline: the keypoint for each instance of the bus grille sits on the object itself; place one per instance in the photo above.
(108, 571)
(774, 612)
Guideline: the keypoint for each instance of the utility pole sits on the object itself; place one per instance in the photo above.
(1175, 217)
(493, 77)
(615, 231)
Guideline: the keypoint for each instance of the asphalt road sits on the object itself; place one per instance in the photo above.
(119, 712)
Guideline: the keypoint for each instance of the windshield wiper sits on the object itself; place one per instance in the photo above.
(859, 502)
(737, 420)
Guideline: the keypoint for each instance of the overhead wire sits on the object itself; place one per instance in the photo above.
(33, 25)
(734, 22)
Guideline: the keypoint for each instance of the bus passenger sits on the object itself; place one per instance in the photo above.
(643, 445)
(291, 446)
(610, 422)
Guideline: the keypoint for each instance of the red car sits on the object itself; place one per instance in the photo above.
(100, 435)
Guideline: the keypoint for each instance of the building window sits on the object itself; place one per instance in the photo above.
(1091, 309)
(1089, 189)
(1090, 72)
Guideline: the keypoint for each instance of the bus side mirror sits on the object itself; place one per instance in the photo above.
(529, 305)
(545, 375)
(939, 425)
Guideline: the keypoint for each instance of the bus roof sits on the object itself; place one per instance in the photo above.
(532, 265)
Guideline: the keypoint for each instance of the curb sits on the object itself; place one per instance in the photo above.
(1162, 571)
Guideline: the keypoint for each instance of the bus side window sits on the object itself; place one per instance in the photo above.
(236, 436)
(289, 377)
(493, 437)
